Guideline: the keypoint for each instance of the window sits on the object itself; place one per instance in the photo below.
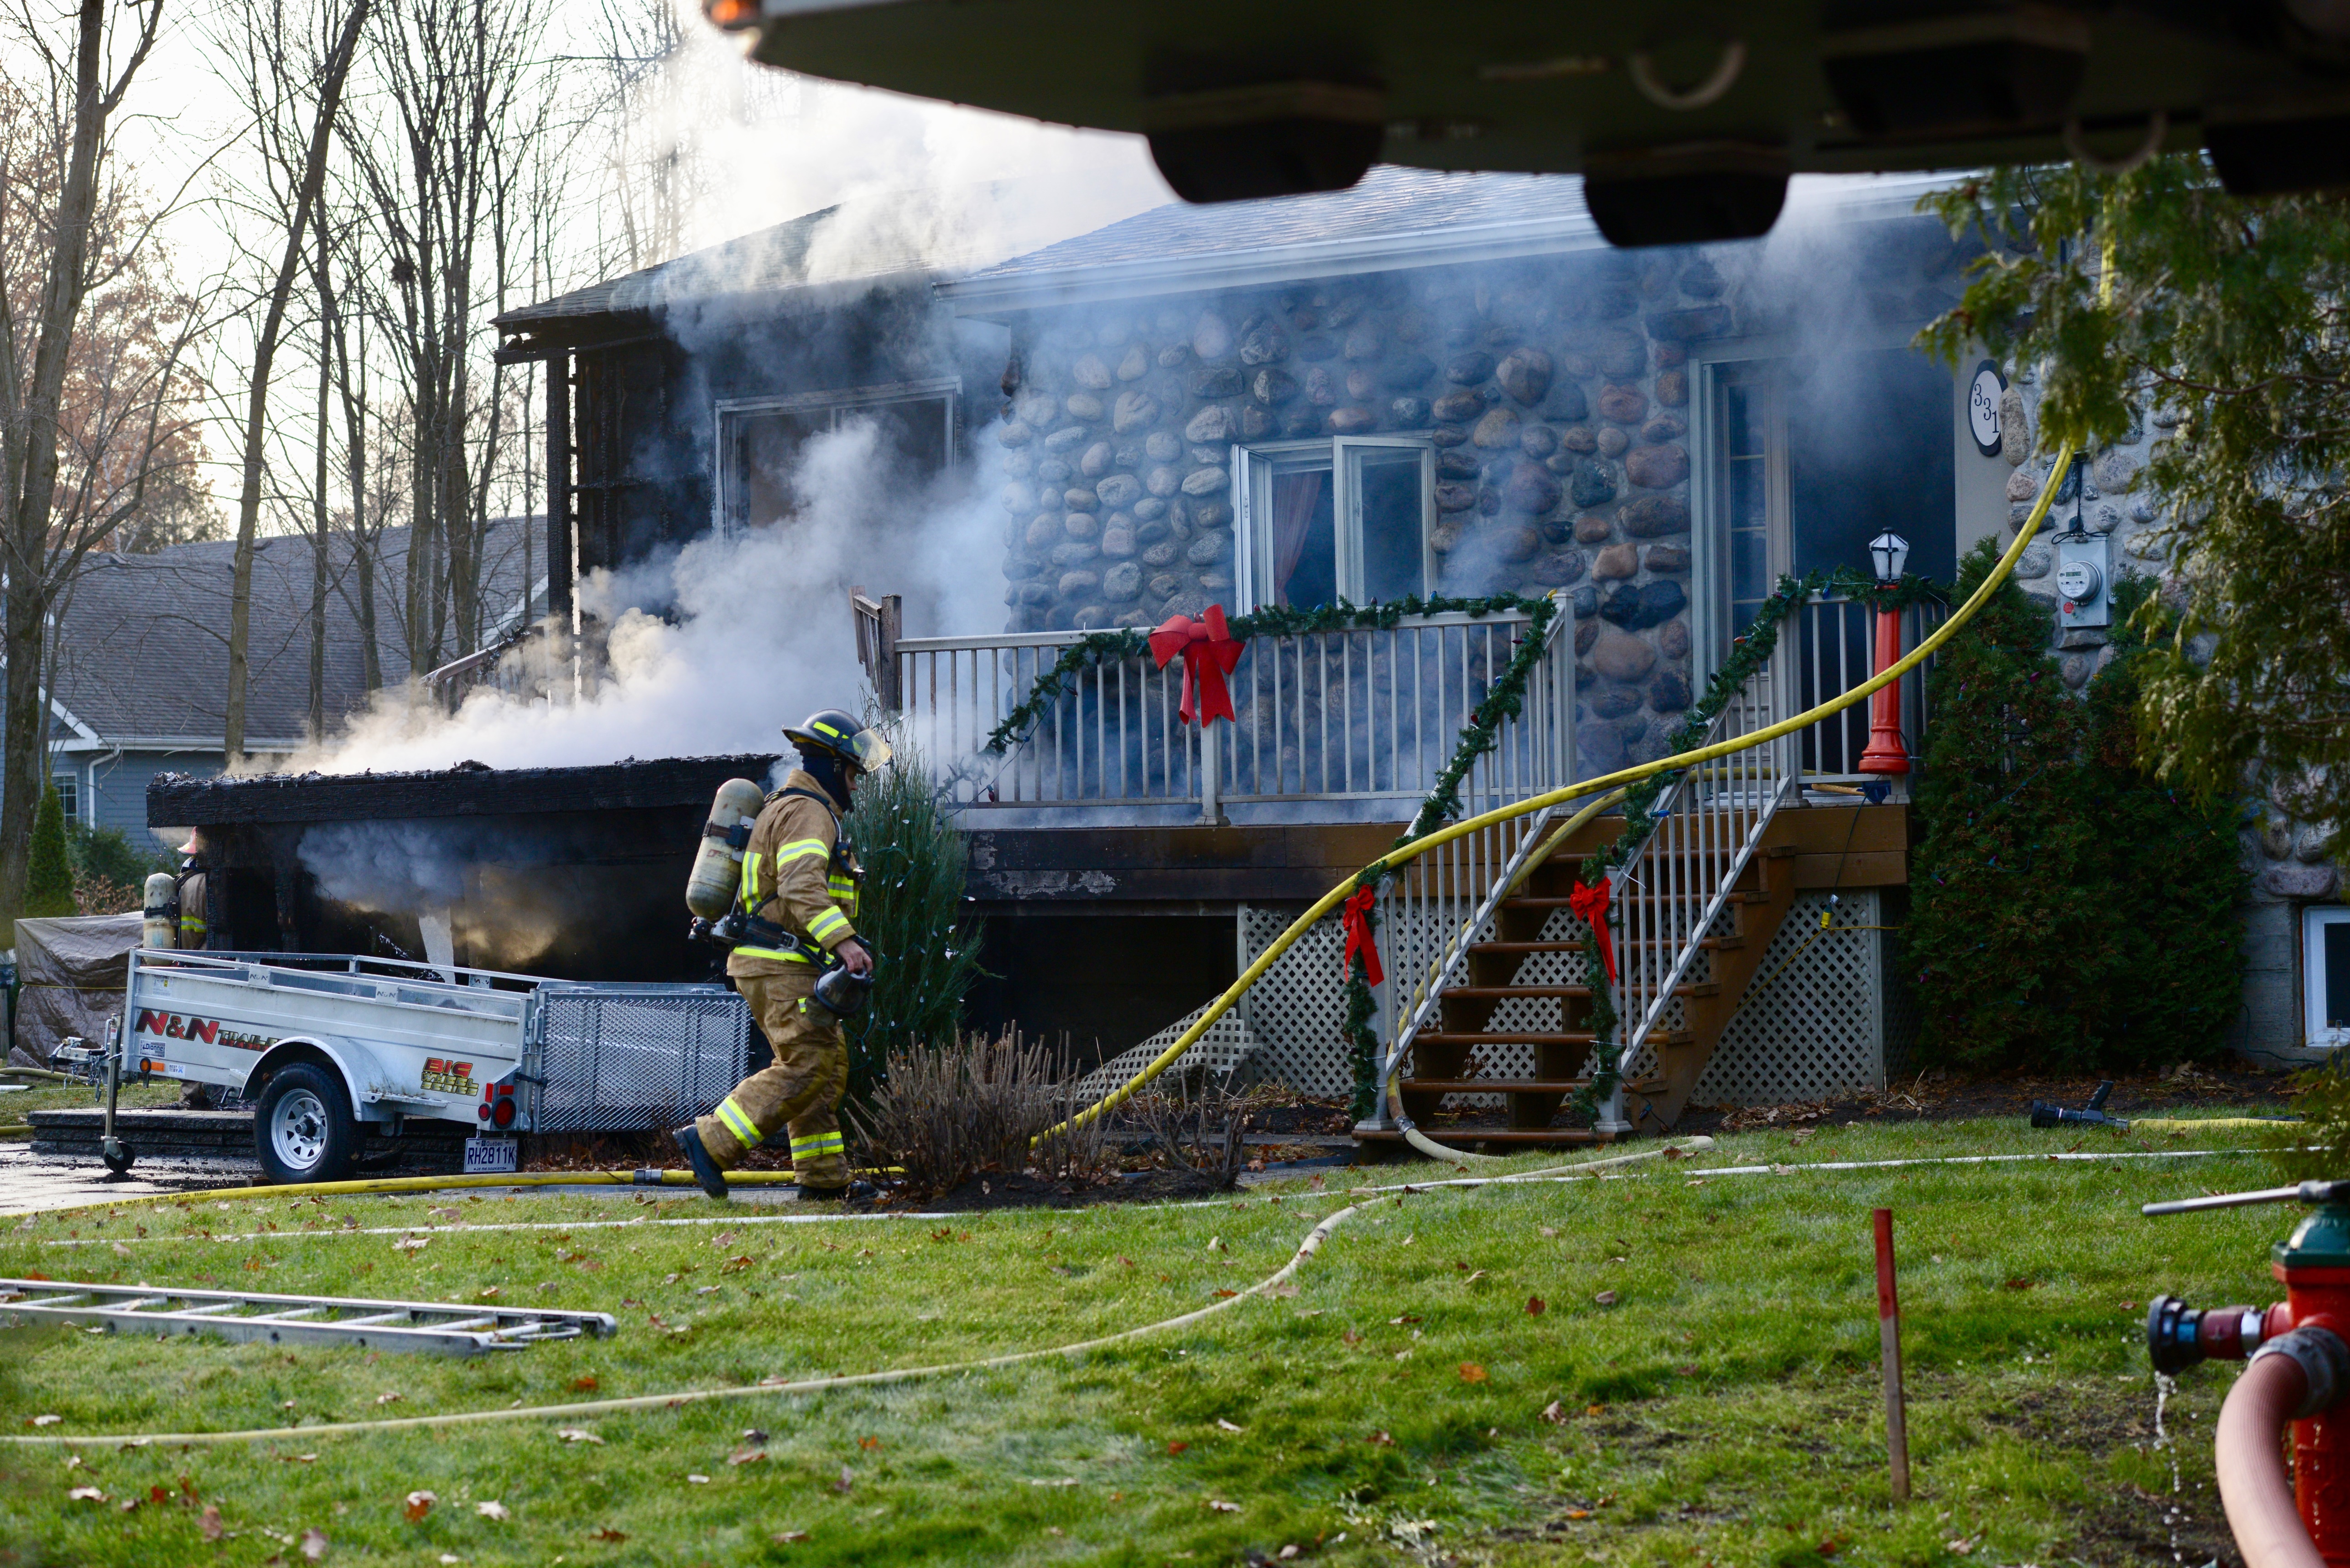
(759, 442)
(2325, 975)
(68, 795)
(1329, 520)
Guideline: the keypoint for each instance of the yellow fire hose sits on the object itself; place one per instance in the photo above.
(1622, 779)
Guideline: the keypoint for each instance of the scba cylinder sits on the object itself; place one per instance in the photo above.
(159, 926)
(717, 876)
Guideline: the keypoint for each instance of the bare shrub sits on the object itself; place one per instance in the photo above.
(1196, 1122)
(946, 1114)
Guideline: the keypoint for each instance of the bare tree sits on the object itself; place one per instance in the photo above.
(286, 69)
(87, 395)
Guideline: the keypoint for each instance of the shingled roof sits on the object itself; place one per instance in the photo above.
(141, 655)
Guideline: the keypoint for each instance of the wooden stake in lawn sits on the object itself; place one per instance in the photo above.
(1888, 1329)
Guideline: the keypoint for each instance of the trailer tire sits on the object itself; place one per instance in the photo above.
(303, 1128)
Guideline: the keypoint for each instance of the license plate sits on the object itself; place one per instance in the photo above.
(490, 1156)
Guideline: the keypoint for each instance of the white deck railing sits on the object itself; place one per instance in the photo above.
(1829, 648)
(1358, 716)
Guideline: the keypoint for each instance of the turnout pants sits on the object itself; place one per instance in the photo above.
(801, 1089)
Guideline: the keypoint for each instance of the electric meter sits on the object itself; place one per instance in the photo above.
(2079, 581)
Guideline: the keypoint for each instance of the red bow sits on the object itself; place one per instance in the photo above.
(1356, 917)
(1209, 652)
(1591, 903)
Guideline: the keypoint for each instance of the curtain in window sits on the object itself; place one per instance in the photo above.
(1294, 497)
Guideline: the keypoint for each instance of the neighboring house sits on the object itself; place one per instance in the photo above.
(139, 666)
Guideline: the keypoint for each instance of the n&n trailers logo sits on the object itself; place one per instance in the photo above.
(198, 1030)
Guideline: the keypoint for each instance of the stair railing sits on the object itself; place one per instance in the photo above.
(1706, 824)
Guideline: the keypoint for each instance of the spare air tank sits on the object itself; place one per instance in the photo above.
(717, 876)
(160, 927)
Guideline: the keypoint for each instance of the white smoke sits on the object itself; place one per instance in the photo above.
(713, 647)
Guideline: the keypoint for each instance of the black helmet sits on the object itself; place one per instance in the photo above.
(834, 732)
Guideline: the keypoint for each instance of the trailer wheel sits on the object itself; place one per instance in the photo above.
(119, 1159)
(303, 1126)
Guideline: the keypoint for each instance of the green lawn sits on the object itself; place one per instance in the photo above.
(39, 1096)
(1724, 1409)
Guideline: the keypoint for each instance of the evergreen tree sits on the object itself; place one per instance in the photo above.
(2069, 913)
(50, 881)
(909, 912)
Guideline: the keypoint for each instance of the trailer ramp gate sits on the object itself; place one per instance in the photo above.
(616, 1058)
(438, 1328)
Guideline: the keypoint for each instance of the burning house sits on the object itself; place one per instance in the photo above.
(1430, 386)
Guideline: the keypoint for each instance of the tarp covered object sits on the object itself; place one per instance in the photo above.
(71, 974)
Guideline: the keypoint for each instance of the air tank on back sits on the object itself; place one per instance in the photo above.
(160, 926)
(717, 876)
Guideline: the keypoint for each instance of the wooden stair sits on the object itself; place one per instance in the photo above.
(1442, 1060)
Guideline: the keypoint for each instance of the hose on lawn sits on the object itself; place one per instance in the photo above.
(1622, 778)
(1306, 1249)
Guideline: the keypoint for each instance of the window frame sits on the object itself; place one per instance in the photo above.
(69, 788)
(1254, 465)
(727, 411)
(2315, 919)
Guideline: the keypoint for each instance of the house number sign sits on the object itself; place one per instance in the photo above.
(1982, 408)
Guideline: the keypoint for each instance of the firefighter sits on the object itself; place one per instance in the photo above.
(194, 931)
(798, 892)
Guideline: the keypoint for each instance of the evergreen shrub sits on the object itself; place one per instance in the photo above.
(2069, 914)
(49, 878)
(910, 913)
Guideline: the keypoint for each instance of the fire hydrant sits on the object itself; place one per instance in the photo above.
(2311, 1327)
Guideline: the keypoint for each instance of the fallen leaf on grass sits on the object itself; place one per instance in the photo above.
(870, 1445)
(410, 1243)
(86, 1494)
(1381, 1440)
(390, 1398)
(697, 1481)
(1534, 1305)
(1578, 1513)
(1963, 1548)
(419, 1503)
(746, 1457)
(314, 1544)
(1176, 1446)
(578, 1435)
(298, 1458)
(1224, 1294)
(2022, 1284)
(736, 1266)
(586, 1385)
(45, 1420)
(1221, 1506)
(213, 1528)
(1471, 1373)
(1350, 1336)
(606, 1533)
(1284, 1290)
(788, 1537)
(1228, 1426)
(487, 1292)
(1546, 1232)
(1554, 1413)
(847, 1479)
(1606, 1298)
(1474, 1277)
(1399, 1322)
(493, 1510)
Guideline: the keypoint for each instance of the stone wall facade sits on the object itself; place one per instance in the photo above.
(1555, 394)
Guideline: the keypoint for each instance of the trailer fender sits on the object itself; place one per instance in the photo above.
(354, 1063)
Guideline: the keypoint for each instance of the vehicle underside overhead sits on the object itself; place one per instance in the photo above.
(1686, 119)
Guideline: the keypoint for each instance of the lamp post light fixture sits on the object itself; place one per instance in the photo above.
(1886, 753)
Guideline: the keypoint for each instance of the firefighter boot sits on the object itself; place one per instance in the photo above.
(705, 1169)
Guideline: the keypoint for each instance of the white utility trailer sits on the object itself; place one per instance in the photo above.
(318, 1044)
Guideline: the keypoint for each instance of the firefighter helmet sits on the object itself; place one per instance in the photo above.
(834, 730)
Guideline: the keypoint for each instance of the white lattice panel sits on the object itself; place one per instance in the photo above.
(1227, 1044)
(1297, 1011)
(1812, 1026)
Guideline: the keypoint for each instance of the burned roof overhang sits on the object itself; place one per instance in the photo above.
(177, 800)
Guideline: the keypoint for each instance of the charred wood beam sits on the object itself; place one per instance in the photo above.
(177, 800)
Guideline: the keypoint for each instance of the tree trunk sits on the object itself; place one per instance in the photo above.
(257, 407)
(321, 538)
(35, 494)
